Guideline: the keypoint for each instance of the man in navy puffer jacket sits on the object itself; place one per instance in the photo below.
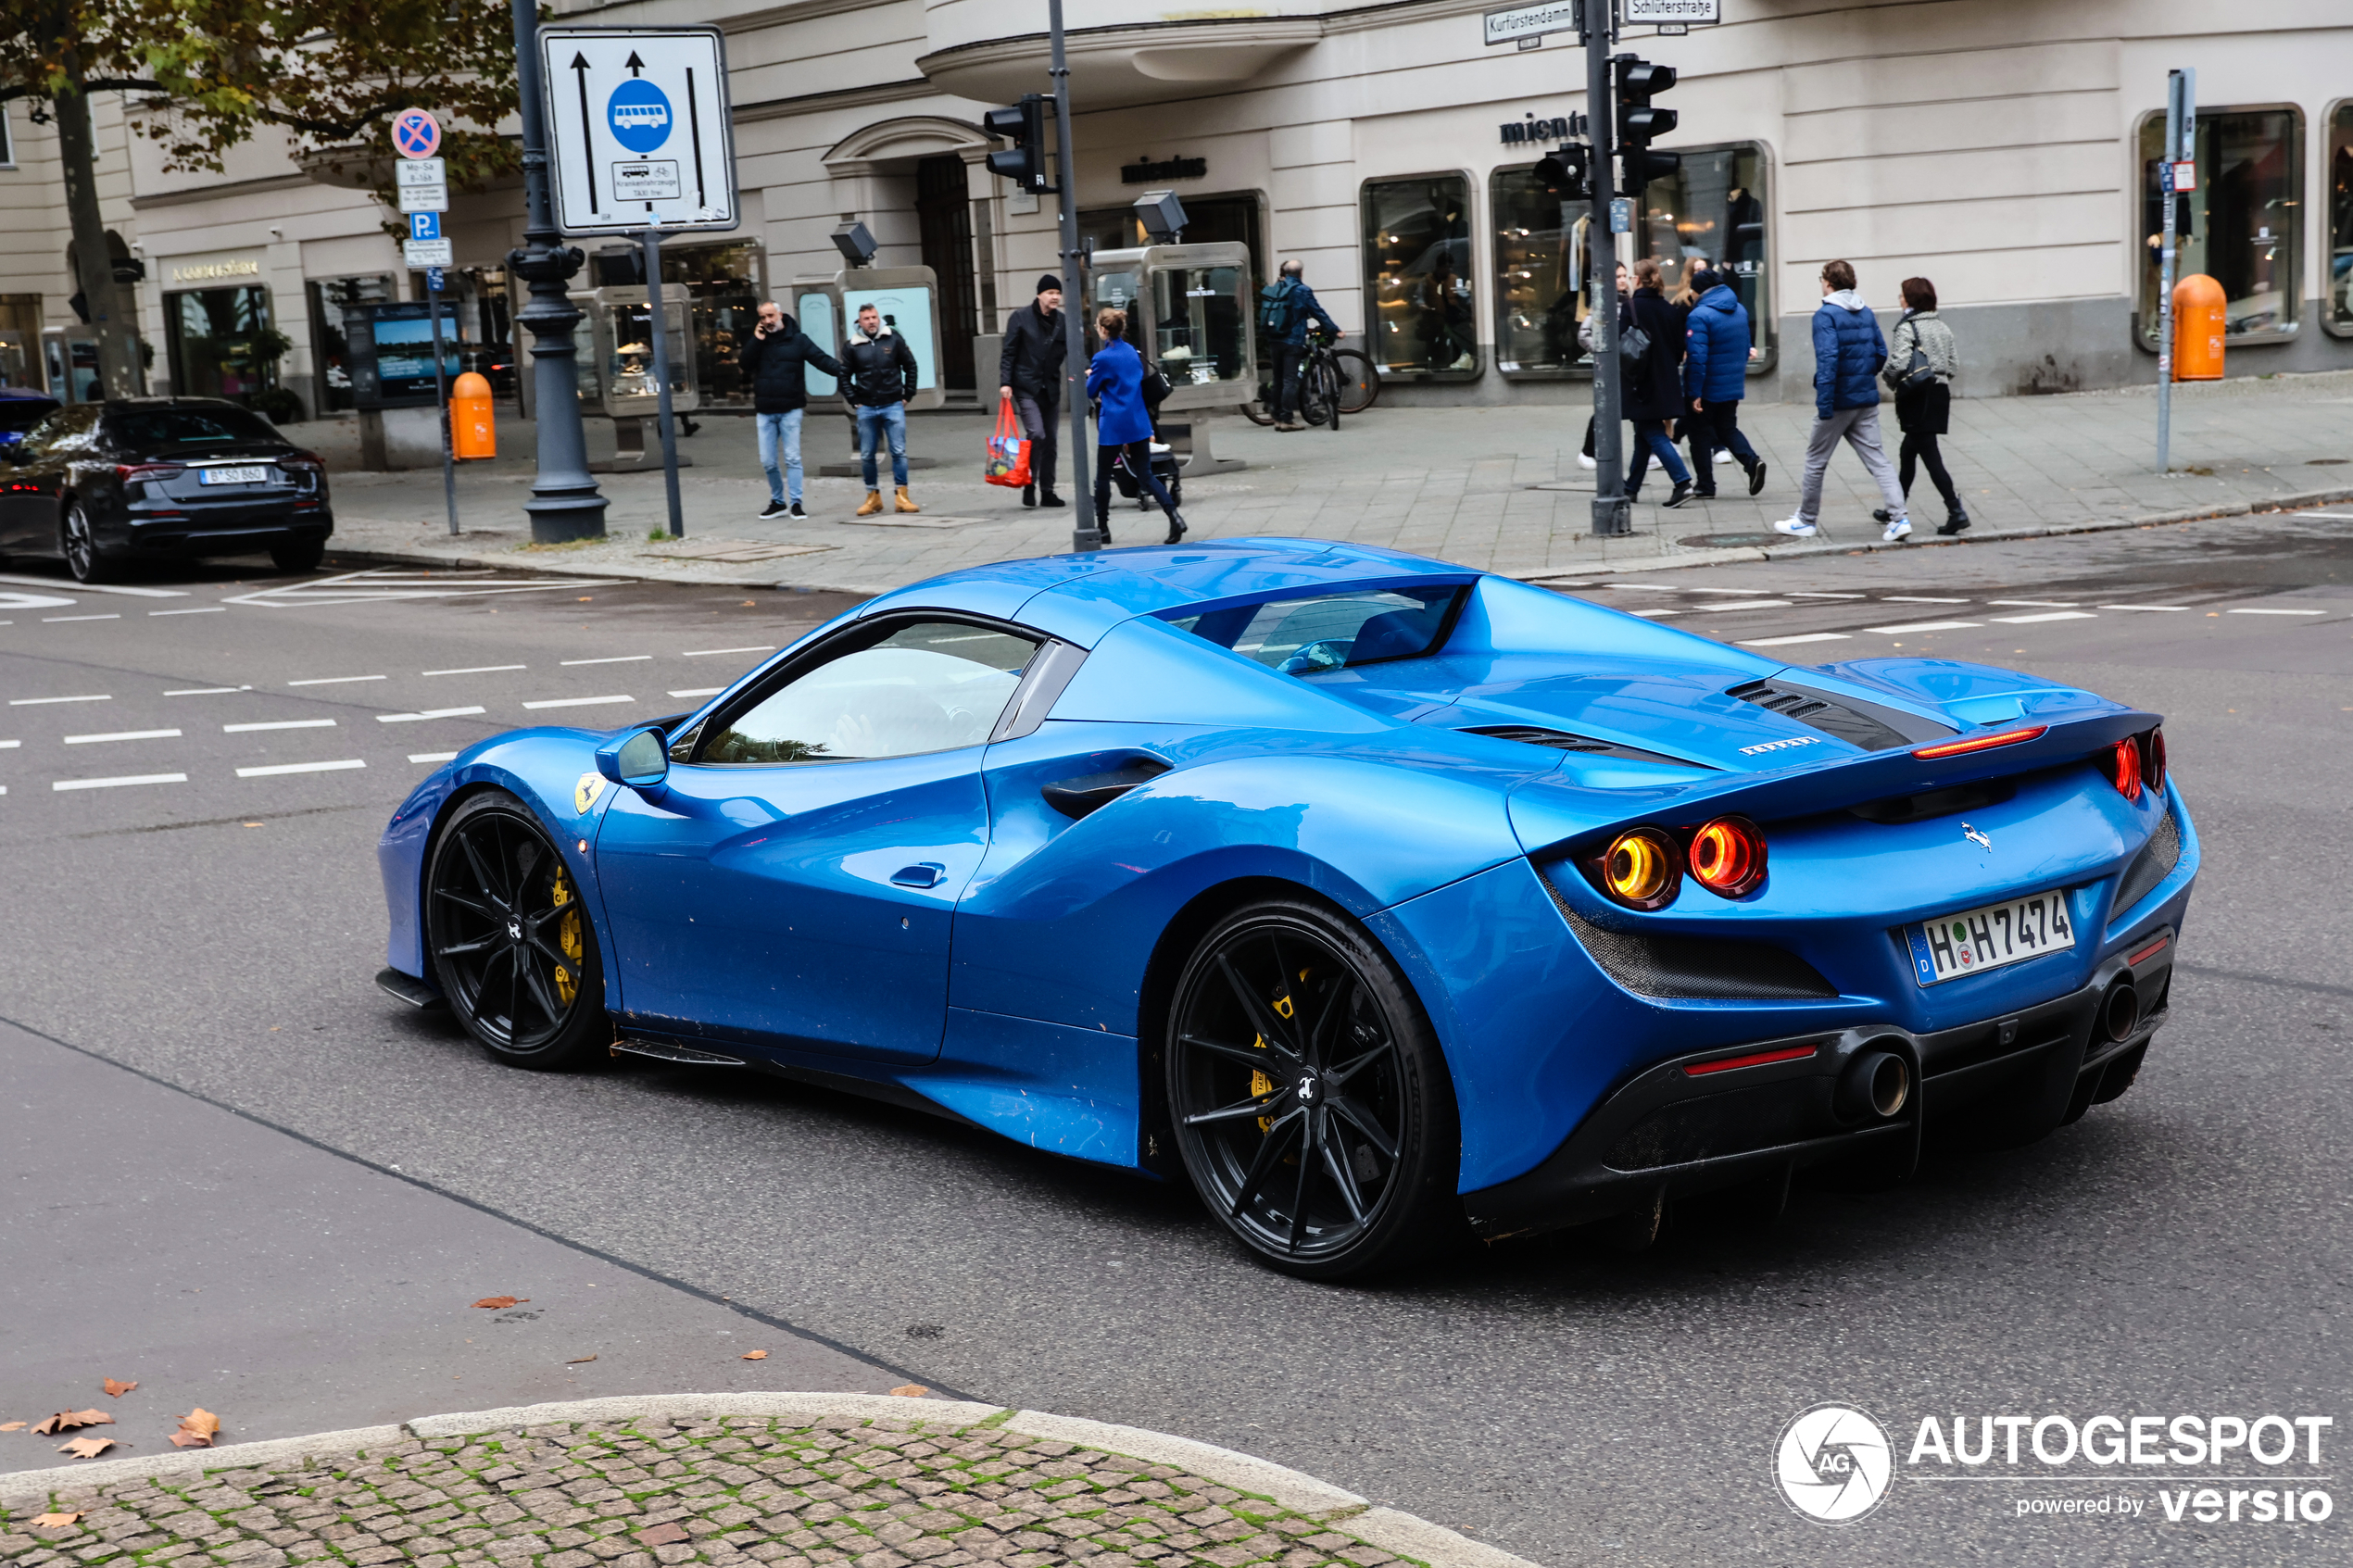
(1716, 344)
(1848, 352)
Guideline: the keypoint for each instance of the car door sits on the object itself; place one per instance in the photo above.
(31, 485)
(790, 885)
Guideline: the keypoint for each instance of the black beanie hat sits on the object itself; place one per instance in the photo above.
(1049, 282)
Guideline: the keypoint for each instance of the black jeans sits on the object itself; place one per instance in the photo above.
(1287, 364)
(1037, 416)
(1139, 463)
(1714, 425)
(1921, 446)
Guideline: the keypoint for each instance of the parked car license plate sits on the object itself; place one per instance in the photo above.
(254, 474)
(1988, 938)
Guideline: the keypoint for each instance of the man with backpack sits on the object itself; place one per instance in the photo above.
(1286, 309)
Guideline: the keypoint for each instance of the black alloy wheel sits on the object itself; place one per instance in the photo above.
(83, 558)
(1308, 1095)
(511, 938)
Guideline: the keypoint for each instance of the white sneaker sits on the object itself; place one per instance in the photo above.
(1723, 454)
(1795, 527)
(1898, 528)
(1585, 462)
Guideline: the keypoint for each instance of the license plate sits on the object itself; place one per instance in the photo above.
(254, 475)
(1989, 937)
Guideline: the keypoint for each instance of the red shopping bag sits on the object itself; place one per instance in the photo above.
(1008, 461)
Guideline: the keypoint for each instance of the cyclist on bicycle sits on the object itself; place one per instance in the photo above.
(1286, 308)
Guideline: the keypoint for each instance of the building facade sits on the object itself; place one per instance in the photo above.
(2004, 149)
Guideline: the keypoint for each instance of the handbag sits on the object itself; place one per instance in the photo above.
(1917, 371)
(1008, 459)
(1633, 345)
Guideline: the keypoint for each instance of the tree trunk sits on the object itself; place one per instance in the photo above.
(94, 263)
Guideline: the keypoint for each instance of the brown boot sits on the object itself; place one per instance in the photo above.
(870, 504)
(906, 503)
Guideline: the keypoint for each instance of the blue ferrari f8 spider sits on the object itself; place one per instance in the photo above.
(1381, 898)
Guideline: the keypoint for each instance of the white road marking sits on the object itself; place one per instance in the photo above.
(334, 680)
(279, 725)
(476, 670)
(1752, 604)
(97, 589)
(616, 659)
(1643, 614)
(1648, 588)
(2275, 612)
(1923, 626)
(271, 769)
(48, 619)
(1786, 642)
(1735, 592)
(383, 584)
(1918, 599)
(208, 609)
(431, 756)
(2035, 604)
(428, 713)
(206, 691)
(2145, 607)
(9, 745)
(577, 701)
(1801, 594)
(116, 784)
(2038, 619)
(37, 701)
(123, 734)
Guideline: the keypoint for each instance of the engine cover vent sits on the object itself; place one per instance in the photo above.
(1866, 725)
(1563, 740)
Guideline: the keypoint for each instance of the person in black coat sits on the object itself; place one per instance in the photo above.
(879, 375)
(1654, 384)
(775, 363)
(1029, 376)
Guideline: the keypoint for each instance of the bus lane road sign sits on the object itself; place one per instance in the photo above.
(639, 132)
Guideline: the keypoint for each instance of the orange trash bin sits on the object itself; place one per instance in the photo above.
(2197, 328)
(471, 432)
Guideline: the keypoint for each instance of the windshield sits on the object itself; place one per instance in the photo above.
(1320, 632)
(210, 425)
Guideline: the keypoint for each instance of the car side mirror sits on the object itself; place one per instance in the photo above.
(640, 759)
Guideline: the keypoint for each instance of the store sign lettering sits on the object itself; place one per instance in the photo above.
(208, 272)
(1534, 130)
(1144, 171)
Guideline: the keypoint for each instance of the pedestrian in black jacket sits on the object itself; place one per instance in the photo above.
(775, 362)
(879, 376)
(1029, 376)
(1654, 384)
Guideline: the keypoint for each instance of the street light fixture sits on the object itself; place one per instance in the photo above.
(856, 244)
(1162, 214)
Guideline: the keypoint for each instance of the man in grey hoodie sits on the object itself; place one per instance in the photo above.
(1848, 352)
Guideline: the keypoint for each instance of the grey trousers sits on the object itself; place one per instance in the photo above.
(1859, 427)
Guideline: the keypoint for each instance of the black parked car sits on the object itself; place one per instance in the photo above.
(20, 409)
(103, 483)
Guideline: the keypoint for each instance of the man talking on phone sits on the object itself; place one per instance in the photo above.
(774, 361)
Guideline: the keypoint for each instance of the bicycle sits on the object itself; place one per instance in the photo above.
(1332, 381)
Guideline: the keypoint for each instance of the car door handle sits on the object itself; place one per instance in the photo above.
(927, 873)
(1075, 798)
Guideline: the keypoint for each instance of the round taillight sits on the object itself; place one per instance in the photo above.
(1639, 870)
(2124, 768)
(2153, 763)
(1728, 857)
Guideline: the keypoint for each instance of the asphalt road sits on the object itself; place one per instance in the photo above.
(2182, 1249)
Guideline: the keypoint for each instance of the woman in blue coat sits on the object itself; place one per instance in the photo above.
(1122, 424)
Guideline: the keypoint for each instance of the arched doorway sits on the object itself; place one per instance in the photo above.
(907, 179)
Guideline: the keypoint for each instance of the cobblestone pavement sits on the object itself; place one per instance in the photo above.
(728, 1492)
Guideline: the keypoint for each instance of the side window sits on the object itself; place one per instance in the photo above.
(928, 686)
(43, 437)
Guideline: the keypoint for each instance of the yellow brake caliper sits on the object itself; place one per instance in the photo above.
(567, 938)
(1262, 1086)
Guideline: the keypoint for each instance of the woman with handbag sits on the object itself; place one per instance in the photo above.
(1651, 353)
(1921, 361)
(1123, 423)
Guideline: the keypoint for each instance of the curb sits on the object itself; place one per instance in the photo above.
(364, 555)
(1391, 1530)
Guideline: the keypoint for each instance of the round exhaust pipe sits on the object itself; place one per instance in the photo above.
(1875, 1087)
(2120, 1010)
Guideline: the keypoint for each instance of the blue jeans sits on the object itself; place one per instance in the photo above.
(783, 430)
(874, 422)
(1650, 435)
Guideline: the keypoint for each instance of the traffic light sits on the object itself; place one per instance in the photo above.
(1024, 126)
(1562, 173)
(1638, 82)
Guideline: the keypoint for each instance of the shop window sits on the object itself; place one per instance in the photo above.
(2338, 314)
(331, 344)
(1713, 209)
(222, 343)
(2246, 222)
(722, 284)
(1200, 324)
(1419, 306)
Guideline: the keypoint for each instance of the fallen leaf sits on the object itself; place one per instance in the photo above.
(54, 1520)
(755, 1355)
(578, 1359)
(86, 1447)
(186, 1439)
(118, 1389)
(200, 1423)
(661, 1534)
(911, 1390)
(66, 1421)
(502, 1301)
(11, 1427)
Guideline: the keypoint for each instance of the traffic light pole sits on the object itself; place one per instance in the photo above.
(2181, 128)
(1084, 534)
(1612, 513)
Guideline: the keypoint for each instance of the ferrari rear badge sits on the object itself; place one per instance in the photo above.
(585, 793)
(1967, 832)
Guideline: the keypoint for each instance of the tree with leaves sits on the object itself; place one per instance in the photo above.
(208, 73)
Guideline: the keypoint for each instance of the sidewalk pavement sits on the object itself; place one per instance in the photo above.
(1497, 489)
(726, 1481)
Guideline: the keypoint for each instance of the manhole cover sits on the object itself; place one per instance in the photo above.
(1727, 541)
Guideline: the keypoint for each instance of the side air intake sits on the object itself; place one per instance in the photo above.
(2152, 865)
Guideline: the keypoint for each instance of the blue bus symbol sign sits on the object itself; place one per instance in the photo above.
(639, 115)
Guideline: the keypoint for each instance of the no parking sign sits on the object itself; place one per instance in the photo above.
(415, 133)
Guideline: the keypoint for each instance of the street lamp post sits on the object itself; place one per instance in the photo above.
(565, 503)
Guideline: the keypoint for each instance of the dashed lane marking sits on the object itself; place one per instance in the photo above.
(1923, 626)
(206, 691)
(38, 701)
(706, 653)
(123, 734)
(2038, 619)
(121, 783)
(273, 769)
(1752, 604)
(476, 670)
(428, 713)
(208, 609)
(96, 588)
(577, 701)
(1918, 599)
(9, 745)
(2145, 607)
(2275, 612)
(2035, 604)
(433, 755)
(48, 619)
(278, 725)
(1801, 594)
(1643, 614)
(714, 691)
(616, 659)
(334, 680)
(1790, 642)
(1733, 593)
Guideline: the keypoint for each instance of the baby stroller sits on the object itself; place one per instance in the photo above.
(1164, 466)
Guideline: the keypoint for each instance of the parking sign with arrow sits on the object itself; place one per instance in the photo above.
(638, 128)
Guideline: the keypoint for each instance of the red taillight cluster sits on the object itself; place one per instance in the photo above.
(1644, 868)
(2136, 763)
(129, 472)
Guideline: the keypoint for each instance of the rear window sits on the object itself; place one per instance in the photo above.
(147, 429)
(1320, 632)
